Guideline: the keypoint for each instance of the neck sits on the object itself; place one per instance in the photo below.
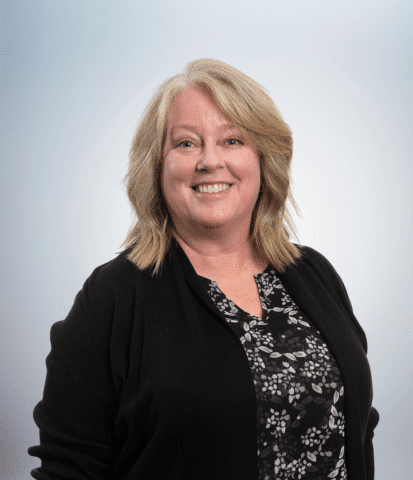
(217, 256)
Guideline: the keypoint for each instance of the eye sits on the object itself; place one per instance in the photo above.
(184, 143)
(232, 140)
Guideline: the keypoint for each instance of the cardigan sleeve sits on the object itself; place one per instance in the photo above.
(74, 416)
(368, 443)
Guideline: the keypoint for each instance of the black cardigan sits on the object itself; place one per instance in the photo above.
(145, 378)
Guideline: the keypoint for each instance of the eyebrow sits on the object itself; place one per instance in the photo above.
(223, 127)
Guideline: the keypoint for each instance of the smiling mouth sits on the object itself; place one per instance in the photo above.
(214, 188)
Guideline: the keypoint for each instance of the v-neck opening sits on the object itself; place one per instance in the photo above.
(257, 277)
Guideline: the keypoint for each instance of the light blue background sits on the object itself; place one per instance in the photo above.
(75, 77)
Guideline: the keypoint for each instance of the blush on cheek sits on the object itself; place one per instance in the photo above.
(170, 182)
(170, 161)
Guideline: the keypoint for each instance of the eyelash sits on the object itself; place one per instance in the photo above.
(227, 140)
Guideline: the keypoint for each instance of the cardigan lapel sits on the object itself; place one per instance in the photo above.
(331, 319)
(195, 283)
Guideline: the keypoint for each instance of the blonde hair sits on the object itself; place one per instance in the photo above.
(247, 104)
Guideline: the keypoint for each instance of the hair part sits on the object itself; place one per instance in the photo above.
(247, 104)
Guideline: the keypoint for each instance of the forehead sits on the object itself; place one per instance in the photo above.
(195, 106)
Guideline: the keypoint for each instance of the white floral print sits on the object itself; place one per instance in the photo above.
(300, 394)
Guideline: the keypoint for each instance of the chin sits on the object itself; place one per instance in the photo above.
(212, 222)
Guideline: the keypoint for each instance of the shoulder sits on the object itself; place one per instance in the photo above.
(313, 268)
(110, 290)
(310, 256)
(318, 264)
(114, 274)
(313, 263)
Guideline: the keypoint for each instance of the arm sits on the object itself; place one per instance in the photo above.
(368, 443)
(334, 283)
(74, 416)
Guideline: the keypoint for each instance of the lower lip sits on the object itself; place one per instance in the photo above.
(213, 194)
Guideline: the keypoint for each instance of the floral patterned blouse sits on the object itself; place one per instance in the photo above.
(299, 390)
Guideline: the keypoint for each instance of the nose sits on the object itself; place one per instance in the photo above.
(211, 158)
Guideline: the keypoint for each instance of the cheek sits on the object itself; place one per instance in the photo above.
(173, 175)
(253, 171)
(177, 170)
(170, 171)
(255, 181)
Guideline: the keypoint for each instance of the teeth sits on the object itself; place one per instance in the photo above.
(212, 188)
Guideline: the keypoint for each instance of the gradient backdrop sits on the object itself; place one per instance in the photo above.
(75, 77)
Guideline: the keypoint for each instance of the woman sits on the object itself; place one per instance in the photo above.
(212, 347)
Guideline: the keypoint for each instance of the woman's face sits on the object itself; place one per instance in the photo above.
(210, 174)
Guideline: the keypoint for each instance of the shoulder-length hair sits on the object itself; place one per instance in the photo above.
(247, 104)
